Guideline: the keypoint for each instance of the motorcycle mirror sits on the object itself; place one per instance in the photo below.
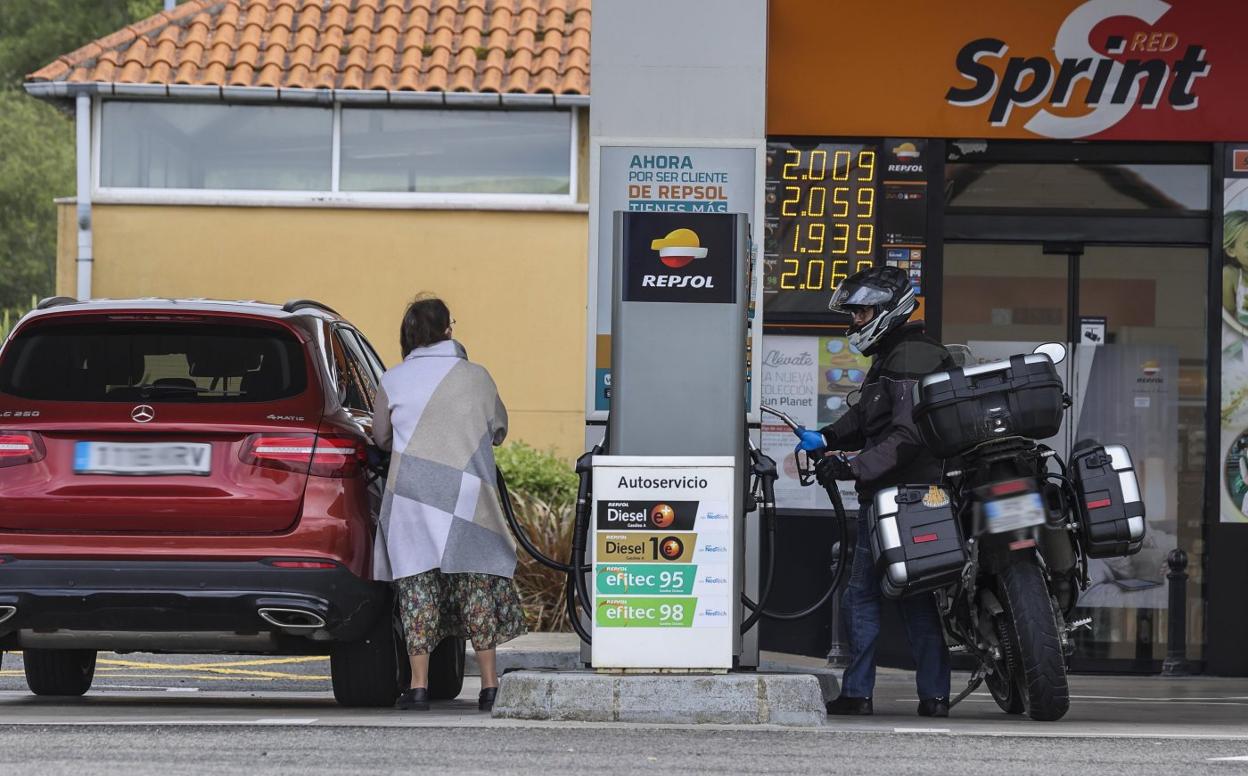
(1056, 351)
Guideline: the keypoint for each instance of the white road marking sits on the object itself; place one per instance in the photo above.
(181, 689)
(919, 730)
(1243, 758)
(286, 721)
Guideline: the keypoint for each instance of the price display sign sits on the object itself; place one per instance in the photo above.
(821, 227)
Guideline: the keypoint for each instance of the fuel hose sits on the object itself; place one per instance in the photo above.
(769, 511)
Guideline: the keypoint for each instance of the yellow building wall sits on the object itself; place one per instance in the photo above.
(515, 282)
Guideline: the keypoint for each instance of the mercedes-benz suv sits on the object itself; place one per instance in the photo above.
(192, 476)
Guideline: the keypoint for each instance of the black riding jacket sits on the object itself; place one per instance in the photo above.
(881, 424)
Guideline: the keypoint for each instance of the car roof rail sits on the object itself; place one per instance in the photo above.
(55, 301)
(301, 304)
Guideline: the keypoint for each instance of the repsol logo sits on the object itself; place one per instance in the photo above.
(905, 168)
(678, 281)
(1141, 69)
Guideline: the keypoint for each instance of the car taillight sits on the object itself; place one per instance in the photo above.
(302, 564)
(320, 455)
(287, 452)
(18, 447)
(337, 455)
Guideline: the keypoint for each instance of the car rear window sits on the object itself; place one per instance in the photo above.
(159, 361)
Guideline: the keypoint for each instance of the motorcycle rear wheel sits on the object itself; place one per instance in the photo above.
(1003, 683)
(1045, 692)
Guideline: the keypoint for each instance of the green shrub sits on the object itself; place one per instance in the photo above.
(537, 474)
(549, 528)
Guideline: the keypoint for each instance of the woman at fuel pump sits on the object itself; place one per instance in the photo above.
(880, 301)
(446, 542)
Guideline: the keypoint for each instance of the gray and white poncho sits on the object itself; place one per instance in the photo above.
(441, 416)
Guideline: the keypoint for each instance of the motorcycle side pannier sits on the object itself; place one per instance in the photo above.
(915, 536)
(961, 408)
(1111, 510)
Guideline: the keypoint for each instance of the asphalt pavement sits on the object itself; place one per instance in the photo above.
(152, 714)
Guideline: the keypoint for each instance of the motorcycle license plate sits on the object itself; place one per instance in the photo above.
(1010, 514)
(139, 459)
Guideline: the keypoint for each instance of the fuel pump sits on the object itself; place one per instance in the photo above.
(659, 567)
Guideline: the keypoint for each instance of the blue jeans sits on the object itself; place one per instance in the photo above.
(861, 607)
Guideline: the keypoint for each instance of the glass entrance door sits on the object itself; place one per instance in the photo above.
(1002, 299)
(1139, 380)
(1137, 377)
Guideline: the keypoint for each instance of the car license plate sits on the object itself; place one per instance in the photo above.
(142, 458)
(1010, 514)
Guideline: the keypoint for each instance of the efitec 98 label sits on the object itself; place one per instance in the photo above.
(627, 612)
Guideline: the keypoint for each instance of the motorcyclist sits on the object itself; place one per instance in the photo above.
(879, 425)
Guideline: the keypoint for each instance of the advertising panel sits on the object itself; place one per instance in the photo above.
(812, 379)
(1104, 69)
(1234, 441)
(673, 179)
(663, 562)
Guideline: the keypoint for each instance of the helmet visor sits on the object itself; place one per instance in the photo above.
(851, 294)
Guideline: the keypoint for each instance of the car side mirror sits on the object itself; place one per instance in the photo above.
(1056, 351)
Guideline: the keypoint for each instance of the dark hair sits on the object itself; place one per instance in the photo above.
(425, 322)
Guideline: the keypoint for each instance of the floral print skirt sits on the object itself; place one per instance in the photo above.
(482, 607)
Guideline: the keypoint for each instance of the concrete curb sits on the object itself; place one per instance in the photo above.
(727, 699)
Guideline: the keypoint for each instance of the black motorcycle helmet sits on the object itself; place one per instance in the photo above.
(888, 291)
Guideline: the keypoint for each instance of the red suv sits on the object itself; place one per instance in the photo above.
(192, 476)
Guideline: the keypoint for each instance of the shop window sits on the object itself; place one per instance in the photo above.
(456, 151)
(1176, 188)
(165, 145)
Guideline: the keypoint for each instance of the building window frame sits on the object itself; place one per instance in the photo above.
(335, 197)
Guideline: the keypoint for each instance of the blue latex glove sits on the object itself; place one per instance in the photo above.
(811, 440)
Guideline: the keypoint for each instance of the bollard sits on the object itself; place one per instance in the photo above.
(838, 651)
(1176, 648)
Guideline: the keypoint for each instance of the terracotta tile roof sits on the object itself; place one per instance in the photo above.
(508, 46)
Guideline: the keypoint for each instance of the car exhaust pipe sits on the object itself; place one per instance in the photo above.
(7, 612)
(299, 619)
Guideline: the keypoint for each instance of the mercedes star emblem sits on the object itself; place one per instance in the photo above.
(142, 413)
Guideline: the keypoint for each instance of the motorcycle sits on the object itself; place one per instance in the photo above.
(1003, 540)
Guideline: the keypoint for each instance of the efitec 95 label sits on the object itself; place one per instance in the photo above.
(645, 579)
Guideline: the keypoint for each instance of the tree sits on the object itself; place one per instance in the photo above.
(37, 140)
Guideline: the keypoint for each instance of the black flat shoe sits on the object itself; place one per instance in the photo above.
(934, 707)
(415, 699)
(485, 702)
(847, 706)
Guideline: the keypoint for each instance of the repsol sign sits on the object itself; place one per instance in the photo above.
(1091, 79)
(679, 257)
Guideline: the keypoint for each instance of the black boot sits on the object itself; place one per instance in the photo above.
(934, 707)
(485, 701)
(845, 705)
(415, 699)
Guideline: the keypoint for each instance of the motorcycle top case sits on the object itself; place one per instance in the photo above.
(961, 408)
(1111, 510)
(915, 536)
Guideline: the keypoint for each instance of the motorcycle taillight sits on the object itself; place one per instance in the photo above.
(1010, 488)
